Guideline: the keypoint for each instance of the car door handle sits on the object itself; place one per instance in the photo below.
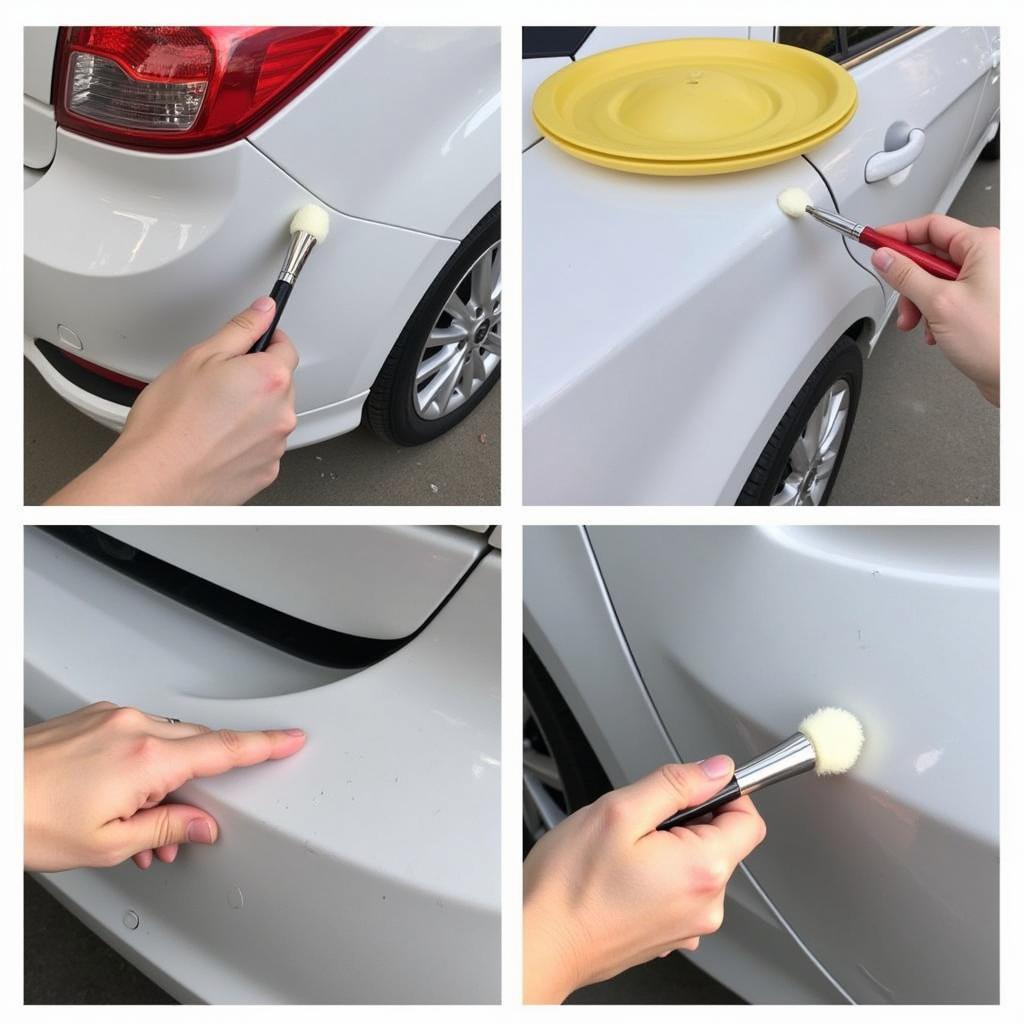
(890, 161)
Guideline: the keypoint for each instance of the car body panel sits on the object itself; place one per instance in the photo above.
(740, 632)
(933, 82)
(571, 624)
(423, 152)
(142, 255)
(608, 37)
(671, 399)
(535, 71)
(40, 126)
(371, 581)
(379, 839)
(646, 380)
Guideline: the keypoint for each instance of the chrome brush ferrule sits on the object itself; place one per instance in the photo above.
(843, 225)
(298, 251)
(791, 757)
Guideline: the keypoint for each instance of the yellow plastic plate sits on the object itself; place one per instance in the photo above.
(690, 100)
(691, 168)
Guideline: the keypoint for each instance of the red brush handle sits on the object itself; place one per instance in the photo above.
(935, 265)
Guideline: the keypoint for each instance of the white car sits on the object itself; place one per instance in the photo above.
(647, 645)
(687, 343)
(366, 868)
(163, 167)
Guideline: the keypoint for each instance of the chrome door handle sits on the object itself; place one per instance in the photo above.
(890, 161)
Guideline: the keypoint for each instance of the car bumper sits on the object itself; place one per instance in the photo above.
(141, 256)
(366, 868)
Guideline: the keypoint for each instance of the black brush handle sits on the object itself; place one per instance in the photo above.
(279, 293)
(722, 797)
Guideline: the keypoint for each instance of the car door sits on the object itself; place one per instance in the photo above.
(907, 149)
(740, 632)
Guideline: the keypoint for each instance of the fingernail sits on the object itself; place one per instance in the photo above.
(717, 767)
(882, 259)
(295, 732)
(263, 304)
(199, 831)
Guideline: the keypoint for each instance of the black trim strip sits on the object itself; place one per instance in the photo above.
(82, 378)
(294, 636)
(551, 41)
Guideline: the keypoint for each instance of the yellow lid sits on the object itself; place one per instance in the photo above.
(684, 101)
(682, 168)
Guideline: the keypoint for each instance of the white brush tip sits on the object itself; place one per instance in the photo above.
(837, 737)
(312, 219)
(793, 202)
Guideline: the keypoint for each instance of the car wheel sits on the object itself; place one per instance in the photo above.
(561, 773)
(448, 356)
(990, 151)
(800, 462)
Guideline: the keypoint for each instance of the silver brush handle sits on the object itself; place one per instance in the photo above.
(793, 756)
(298, 252)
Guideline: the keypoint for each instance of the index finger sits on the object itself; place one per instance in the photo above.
(737, 828)
(213, 753)
(947, 234)
(282, 349)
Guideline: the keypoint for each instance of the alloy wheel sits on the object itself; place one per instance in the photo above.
(463, 348)
(813, 458)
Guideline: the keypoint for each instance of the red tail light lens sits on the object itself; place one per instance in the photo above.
(177, 87)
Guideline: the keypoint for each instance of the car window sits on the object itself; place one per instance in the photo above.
(861, 37)
(819, 40)
(553, 41)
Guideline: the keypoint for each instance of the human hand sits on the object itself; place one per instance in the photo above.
(95, 781)
(962, 316)
(605, 891)
(211, 429)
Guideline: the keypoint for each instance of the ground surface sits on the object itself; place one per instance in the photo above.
(923, 435)
(671, 980)
(463, 467)
(67, 963)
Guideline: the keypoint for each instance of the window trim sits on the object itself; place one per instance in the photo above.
(865, 51)
(851, 60)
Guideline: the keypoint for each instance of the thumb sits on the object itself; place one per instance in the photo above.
(673, 787)
(907, 278)
(243, 330)
(165, 825)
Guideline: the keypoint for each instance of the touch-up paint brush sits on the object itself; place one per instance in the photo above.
(828, 741)
(795, 202)
(308, 228)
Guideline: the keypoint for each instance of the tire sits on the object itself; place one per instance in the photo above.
(583, 779)
(770, 480)
(391, 410)
(990, 151)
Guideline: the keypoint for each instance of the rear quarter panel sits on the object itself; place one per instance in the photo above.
(888, 874)
(405, 129)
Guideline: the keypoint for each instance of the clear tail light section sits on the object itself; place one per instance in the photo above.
(185, 87)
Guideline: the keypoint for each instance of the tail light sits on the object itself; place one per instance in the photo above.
(178, 87)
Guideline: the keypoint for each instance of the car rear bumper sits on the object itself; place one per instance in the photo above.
(313, 425)
(142, 255)
(364, 869)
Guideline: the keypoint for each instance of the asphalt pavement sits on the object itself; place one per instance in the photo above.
(462, 467)
(672, 979)
(67, 963)
(923, 435)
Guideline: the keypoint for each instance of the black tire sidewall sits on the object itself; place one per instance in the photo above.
(394, 384)
(583, 778)
(844, 362)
